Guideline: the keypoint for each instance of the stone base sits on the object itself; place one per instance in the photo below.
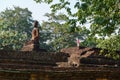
(31, 46)
(28, 47)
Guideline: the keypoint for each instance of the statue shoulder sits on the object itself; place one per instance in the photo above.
(35, 29)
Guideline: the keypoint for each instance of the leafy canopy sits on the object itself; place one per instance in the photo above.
(15, 28)
(103, 15)
(58, 35)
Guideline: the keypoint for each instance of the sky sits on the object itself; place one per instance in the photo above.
(38, 10)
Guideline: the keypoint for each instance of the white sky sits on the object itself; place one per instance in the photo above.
(38, 10)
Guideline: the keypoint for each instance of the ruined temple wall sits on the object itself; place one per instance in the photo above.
(60, 76)
(33, 57)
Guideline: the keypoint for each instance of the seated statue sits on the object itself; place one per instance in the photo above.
(35, 33)
(33, 44)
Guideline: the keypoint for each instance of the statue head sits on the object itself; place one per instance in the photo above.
(36, 23)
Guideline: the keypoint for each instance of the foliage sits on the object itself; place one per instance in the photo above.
(15, 28)
(112, 44)
(58, 35)
(11, 40)
(56, 30)
(47, 1)
(102, 14)
(17, 19)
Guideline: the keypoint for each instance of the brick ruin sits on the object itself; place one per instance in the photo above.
(69, 64)
(68, 57)
(89, 56)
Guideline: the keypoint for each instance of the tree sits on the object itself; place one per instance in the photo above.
(112, 44)
(102, 14)
(57, 33)
(47, 1)
(15, 28)
(17, 19)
